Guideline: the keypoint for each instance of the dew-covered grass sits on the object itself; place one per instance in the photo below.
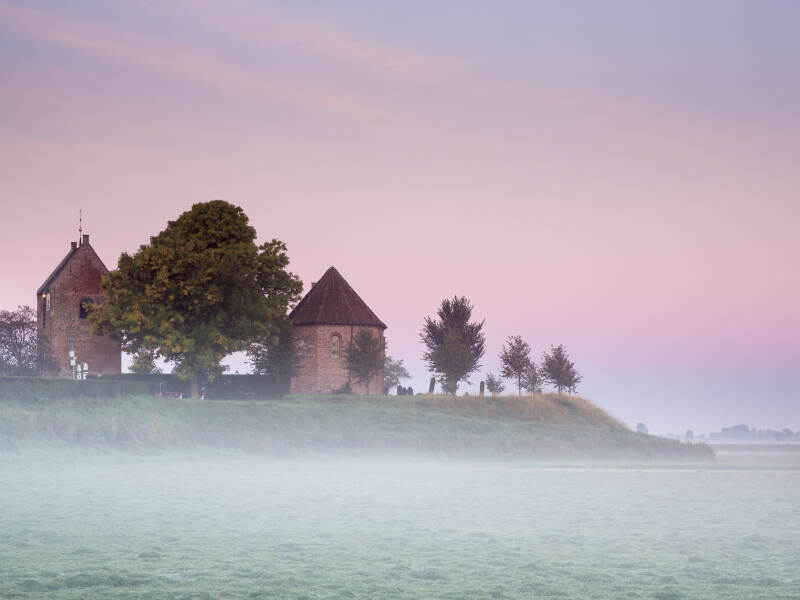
(78, 523)
(476, 427)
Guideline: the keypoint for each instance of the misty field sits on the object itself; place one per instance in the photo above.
(77, 523)
(422, 426)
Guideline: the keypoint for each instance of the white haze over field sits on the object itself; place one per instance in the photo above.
(86, 524)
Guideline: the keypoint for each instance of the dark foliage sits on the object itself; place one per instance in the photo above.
(515, 358)
(200, 290)
(18, 341)
(35, 389)
(278, 356)
(454, 345)
(344, 390)
(494, 384)
(533, 379)
(364, 356)
(393, 372)
(559, 370)
(144, 362)
(223, 387)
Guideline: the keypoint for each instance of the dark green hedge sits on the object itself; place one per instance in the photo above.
(225, 387)
(40, 388)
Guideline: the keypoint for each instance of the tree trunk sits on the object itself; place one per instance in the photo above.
(194, 386)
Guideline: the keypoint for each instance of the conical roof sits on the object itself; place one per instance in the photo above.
(331, 301)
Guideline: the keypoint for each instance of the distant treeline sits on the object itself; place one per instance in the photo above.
(744, 433)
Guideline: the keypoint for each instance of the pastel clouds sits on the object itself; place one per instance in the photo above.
(111, 43)
(266, 26)
(582, 185)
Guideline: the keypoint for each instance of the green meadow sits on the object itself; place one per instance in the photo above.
(378, 497)
(111, 524)
(541, 426)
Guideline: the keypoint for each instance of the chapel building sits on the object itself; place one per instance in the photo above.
(63, 326)
(323, 324)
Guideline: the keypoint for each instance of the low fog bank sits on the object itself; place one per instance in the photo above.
(203, 524)
(544, 427)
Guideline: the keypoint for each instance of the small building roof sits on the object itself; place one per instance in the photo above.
(331, 301)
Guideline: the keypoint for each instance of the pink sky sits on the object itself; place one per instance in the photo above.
(623, 181)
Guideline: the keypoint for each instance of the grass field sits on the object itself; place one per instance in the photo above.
(78, 523)
(541, 426)
(370, 498)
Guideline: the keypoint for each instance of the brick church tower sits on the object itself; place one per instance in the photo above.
(61, 314)
(324, 322)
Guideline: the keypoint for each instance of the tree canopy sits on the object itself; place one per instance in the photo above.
(393, 372)
(144, 362)
(532, 379)
(200, 290)
(559, 370)
(515, 359)
(277, 355)
(454, 345)
(494, 384)
(18, 341)
(364, 356)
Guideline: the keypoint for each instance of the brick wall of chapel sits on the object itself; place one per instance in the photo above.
(79, 279)
(321, 373)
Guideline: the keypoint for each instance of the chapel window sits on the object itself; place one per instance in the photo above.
(336, 343)
(83, 307)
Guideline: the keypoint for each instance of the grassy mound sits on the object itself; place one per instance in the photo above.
(541, 426)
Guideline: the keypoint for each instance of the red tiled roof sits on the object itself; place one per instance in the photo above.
(331, 301)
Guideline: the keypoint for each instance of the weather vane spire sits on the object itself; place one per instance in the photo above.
(80, 226)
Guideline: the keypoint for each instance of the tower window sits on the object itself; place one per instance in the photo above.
(336, 344)
(83, 308)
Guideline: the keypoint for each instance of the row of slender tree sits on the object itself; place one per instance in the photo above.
(555, 368)
(455, 345)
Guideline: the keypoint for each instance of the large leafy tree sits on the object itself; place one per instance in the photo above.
(18, 341)
(516, 360)
(200, 290)
(364, 356)
(559, 370)
(454, 344)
